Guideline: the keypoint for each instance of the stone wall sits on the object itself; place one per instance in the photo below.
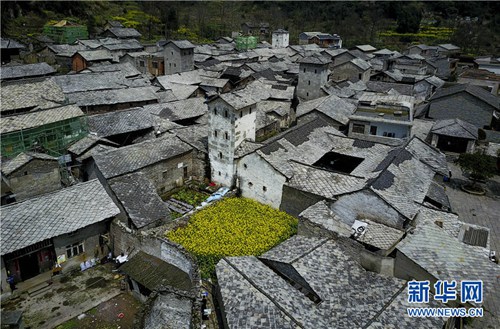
(89, 236)
(35, 178)
(294, 201)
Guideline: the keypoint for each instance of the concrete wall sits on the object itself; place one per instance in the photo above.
(258, 180)
(311, 79)
(35, 178)
(464, 107)
(178, 60)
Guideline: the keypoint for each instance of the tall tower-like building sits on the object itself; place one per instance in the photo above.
(231, 119)
(313, 74)
(280, 38)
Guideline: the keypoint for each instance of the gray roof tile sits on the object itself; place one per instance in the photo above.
(131, 158)
(8, 167)
(54, 214)
(138, 197)
(40, 95)
(26, 71)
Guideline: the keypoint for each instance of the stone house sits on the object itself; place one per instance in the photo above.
(166, 161)
(466, 102)
(30, 174)
(121, 33)
(249, 28)
(82, 152)
(26, 71)
(85, 58)
(483, 78)
(422, 50)
(330, 108)
(105, 88)
(323, 40)
(10, 49)
(136, 197)
(326, 41)
(354, 70)
(38, 233)
(152, 63)
(454, 135)
(178, 56)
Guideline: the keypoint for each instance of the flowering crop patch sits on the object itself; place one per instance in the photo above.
(233, 227)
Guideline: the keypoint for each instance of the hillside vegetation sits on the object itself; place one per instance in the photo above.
(474, 26)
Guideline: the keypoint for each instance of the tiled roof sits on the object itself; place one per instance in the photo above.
(332, 106)
(181, 44)
(39, 118)
(113, 96)
(316, 60)
(87, 142)
(475, 91)
(138, 196)
(95, 55)
(154, 273)
(322, 182)
(54, 214)
(105, 77)
(194, 135)
(321, 214)
(184, 109)
(446, 258)
(134, 157)
(255, 296)
(10, 44)
(124, 32)
(379, 235)
(119, 122)
(306, 143)
(94, 150)
(364, 65)
(26, 71)
(429, 155)
(437, 193)
(44, 94)
(8, 167)
(404, 183)
(455, 128)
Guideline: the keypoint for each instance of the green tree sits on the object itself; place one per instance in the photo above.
(477, 165)
(409, 17)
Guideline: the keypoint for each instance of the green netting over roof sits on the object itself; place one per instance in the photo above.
(53, 138)
(246, 42)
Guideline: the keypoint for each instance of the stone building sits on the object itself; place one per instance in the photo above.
(166, 161)
(55, 227)
(231, 118)
(280, 39)
(354, 70)
(313, 74)
(29, 174)
(179, 56)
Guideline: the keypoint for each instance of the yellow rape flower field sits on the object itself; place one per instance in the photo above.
(233, 227)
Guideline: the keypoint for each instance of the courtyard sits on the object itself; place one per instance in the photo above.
(89, 299)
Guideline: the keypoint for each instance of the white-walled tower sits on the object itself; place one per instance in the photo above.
(231, 120)
(280, 38)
